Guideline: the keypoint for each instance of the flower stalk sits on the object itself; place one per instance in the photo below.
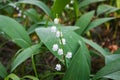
(34, 67)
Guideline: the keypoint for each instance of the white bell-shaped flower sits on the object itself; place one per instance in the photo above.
(20, 11)
(53, 29)
(60, 51)
(24, 16)
(17, 8)
(19, 14)
(55, 47)
(56, 20)
(72, 1)
(67, 6)
(58, 33)
(63, 41)
(58, 67)
(69, 55)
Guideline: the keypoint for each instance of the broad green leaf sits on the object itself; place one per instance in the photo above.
(117, 51)
(106, 8)
(49, 39)
(33, 15)
(71, 28)
(114, 76)
(97, 22)
(15, 31)
(3, 72)
(76, 8)
(72, 44)
(110, 68)
(40, 4)
(79, 67)
(83, 21)
(110, 58)
(12, 76)
(4, 9)
(24, 55)
(30, 77)
(58, 6)
(87, 2)
(118, 3)
(95, 46)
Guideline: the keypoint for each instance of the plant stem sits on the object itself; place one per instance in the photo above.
(34, 67)
(62, 46)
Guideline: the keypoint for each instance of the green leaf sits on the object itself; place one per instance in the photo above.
(97, 22)
(95, 46)
(83, 21)
(33, 15)
(3, 72)
(79, 67)
(24, 55)
(110, 58)
(110, 68)
(30, 77)
(72, 44)
(87, 2)
(4, 9)
(15, 31)
(58, 6)
(106, 8)
(118, 3)
(49, 39)
(117, 51)
(76, 8)
(114, 76)
(12, 76)
(40, 4)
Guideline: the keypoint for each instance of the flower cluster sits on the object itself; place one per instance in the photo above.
(62, 42)
(19, 11)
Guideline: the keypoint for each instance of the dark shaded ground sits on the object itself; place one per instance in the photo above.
(7, 50)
